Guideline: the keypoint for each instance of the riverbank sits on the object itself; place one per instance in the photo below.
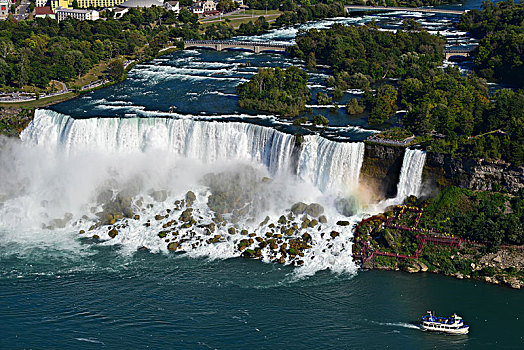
(15, 116)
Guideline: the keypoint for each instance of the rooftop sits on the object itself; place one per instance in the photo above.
(63, 9)
(45, 10)
(141, 3)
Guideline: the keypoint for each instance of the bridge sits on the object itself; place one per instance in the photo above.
(466, 52)
(220, 45)
(351, 8)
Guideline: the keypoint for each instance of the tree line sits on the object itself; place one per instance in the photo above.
(500, 28)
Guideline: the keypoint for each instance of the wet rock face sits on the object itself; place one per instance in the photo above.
(381, 168)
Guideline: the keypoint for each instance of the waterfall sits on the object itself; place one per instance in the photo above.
(329, 165)
(410, 181)
(208, 142)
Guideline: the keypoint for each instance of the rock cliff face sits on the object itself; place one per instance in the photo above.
(382, 165)
(14, 120)
(381, 169)
(443, 170)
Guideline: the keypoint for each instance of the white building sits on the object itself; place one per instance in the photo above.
(4, 9)
(62, 13)
(201, 7)
(172, 6)
(42, 3)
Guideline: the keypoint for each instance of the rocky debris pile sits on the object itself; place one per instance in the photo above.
(186, 225)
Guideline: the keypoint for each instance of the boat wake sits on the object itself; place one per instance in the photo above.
(398, 325)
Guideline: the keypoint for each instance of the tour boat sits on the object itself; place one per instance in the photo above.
(451, 325)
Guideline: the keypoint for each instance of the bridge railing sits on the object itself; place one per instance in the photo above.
(237, 43)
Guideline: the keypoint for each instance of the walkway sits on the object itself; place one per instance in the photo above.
(424, 237)
(20, 96)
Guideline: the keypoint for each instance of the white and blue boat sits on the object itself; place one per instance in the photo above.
(451, 325)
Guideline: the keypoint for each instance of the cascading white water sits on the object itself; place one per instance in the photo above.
(208, 142)
(410, 181)
(330, 166)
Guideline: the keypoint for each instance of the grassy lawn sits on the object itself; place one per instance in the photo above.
(41, 102)
(95, 73)
(237, 21)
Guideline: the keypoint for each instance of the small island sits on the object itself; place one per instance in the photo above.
(276, 90)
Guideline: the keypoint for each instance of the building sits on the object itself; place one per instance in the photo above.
(42, 3)
(201, 7)
(84, 4)
(119, 12)
(142, 3)
(172, 6)
(81, 15)
(43, 12)
(4, 9)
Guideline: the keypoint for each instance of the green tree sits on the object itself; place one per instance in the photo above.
(115, 69)
(382, 105)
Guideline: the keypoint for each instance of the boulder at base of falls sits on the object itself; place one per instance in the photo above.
(346, 206)
(306, 237)
(314, 210)
(173, 246)
(186, 215)
(298, 208)
(342, 223)
(190, 198)
(322, 219)
(243, 244)
(113, 233)
(266, 220)
(159, 196)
